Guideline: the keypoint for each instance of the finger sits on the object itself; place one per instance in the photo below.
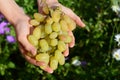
(66, 52)
(48, 69)
(70, 13)
(27, 46)
(29, 59)
(33, 61)
(73, 39)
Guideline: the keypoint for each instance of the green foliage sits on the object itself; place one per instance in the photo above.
(94, 45)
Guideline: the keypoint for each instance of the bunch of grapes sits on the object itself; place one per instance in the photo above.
(50, 36)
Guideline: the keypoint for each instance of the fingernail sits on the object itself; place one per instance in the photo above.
(34, 51)
(71, 45)
(83, 25)
(51, 71)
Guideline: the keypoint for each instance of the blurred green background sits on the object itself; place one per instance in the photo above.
(92, 51)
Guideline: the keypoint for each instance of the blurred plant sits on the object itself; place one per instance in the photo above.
(5, 30)
(6, 38)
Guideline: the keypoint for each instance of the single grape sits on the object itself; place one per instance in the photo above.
(33, 40)
(48, 28)
(53, 42)
(56, 27)
(43, 33)
(61, 46)
(44, 57)
(37, 32)
(62, 37)
(57, 54)
(39, 17)
(56, 15)
(71, 24)
(53, 35)
(61, 60)
(64, 26)
(49, 20)
(34, 22)
(68, 39)
(45, 9)
(43, 45)
(53, 63)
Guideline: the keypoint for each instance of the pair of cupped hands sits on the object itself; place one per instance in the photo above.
(22, 29)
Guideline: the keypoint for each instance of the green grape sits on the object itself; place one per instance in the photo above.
(53, 63)
(71, 24)
(44, 57)
(48, 28)
(43, 45)
(64, 26)
(53, 42)
(61, 60)
(53, 35)
(66, 18)
(68, 39)
(62, 37)
(61, 46)
(57, 54)
(39, 17)
(56, 27)
(37, 32)
(56, 15)
(33, 40)
(43, 34)
(34, 22)
(45, 9)
(49, 20)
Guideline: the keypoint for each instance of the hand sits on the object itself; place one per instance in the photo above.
(69, 12)
(22, 29)
(16, 16)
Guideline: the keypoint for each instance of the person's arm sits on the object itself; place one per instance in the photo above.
(12, 11)
(16, 16)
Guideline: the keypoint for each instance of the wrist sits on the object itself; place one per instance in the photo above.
(19, 19)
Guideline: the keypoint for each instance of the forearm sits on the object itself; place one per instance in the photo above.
(11, 11)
